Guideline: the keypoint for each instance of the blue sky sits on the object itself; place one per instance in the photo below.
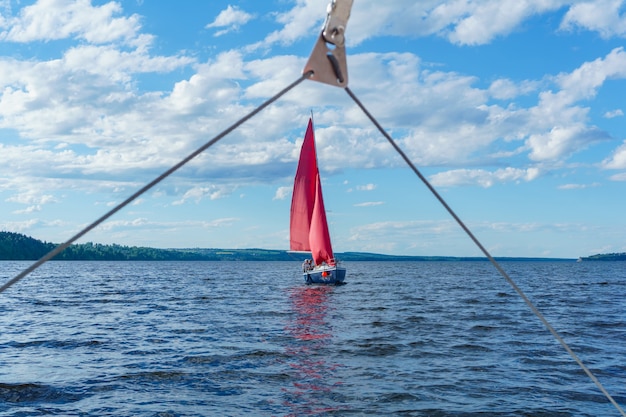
(514, 112)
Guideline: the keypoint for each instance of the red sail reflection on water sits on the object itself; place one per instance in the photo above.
(311, 332)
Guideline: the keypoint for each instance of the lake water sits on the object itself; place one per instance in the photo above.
(243, 338)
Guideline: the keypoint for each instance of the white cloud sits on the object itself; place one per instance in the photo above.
(617, 160)
(618, 177)
(613, 113)
(144, 223)
(134, 223)
(32, 197)
(282, 193)
(483, 178)
(88, 91)
(558, 125)
(578, 186)
(369, 204)
(602, 16)
(297, 23)
(28, 210)
(560, 142)
(482, 21)
(107, 62)
(47, 20)
(366, 187)
(232, 18)
(212, 85)
(583, 82)
(20, 226)
(199, 193)
(504, 89)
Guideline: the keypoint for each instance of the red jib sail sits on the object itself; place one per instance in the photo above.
(309, 228)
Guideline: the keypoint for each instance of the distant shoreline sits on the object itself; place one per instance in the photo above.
(19, 247)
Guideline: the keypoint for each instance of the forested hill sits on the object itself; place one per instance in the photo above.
(19, 247)
(606, 257)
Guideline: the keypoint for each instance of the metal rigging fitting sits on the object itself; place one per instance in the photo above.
(328, 58)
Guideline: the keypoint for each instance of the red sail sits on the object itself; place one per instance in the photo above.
(303, 198)
(319, 238)
(308, 228)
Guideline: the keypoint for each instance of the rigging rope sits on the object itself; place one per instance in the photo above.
(487, 254)
(151, 184)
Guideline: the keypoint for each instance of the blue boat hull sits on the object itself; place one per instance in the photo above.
(333, 275)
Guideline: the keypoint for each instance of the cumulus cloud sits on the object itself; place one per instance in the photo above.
(28, 210)
(613, 113)
(561, 142)
(504, 89)
(282, 193)
(32, 197)
(583, 82)
(480, 22)
(232, 18)
(602, 16)
(196, 194)
(296, 23)
(483, 178)
(47, 20)
(617, 160)
(20, 226)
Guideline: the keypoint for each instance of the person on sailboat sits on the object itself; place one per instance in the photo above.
(307, 265)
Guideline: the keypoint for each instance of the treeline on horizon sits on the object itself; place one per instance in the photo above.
(19, 247)
(606, 257)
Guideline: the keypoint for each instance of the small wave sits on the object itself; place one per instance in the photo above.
(472, 347)
(154, 376)
(35, 393)
(396, 397)
(54, 344)
(482, 328)
(376, 349)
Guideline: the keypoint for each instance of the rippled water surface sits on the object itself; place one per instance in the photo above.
(243, 338)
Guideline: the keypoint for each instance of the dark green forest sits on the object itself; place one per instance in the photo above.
(18, 247)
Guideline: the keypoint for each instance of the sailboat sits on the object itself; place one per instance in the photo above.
(308, 224)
